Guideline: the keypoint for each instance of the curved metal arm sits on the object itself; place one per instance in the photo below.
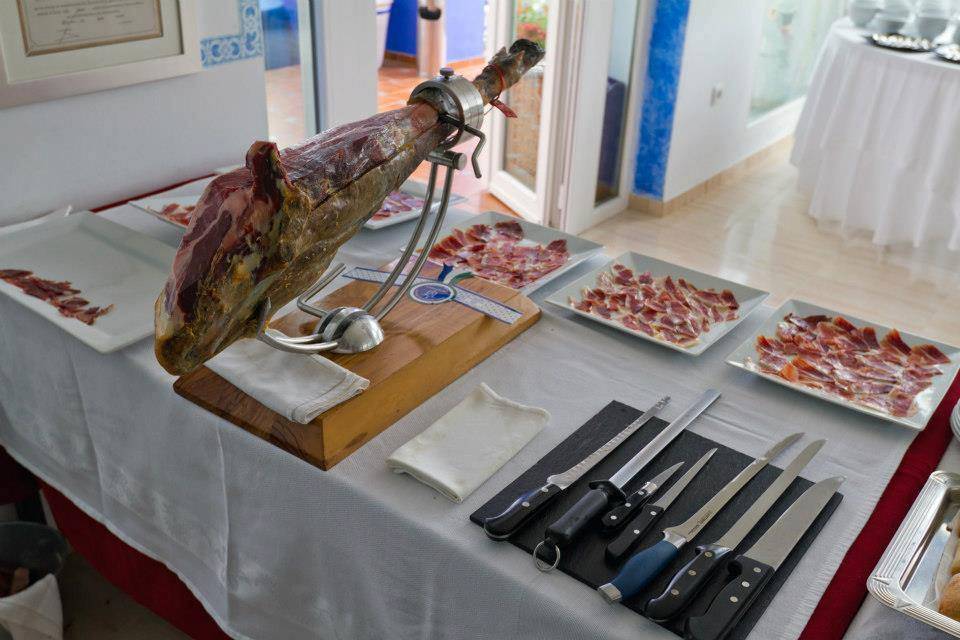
(302, 345)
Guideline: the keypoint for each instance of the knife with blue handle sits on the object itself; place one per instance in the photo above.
(691, 579)
(501, 527)
(759, 563)
(602, 492)
(650, 514)
(649, 563)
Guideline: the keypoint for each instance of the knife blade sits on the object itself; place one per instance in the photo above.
(758, 564)
(647, 564)
(602, 492)
(619, 514)
(691, 579)
(651, 513)
(502, 526)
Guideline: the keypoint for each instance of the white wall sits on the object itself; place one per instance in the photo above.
(721, 47)
(97, 148)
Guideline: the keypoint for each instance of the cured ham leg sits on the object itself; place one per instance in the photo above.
(269, 230)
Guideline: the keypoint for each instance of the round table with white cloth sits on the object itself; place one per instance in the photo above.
(878, 143)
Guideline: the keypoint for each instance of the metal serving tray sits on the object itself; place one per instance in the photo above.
(904, 578)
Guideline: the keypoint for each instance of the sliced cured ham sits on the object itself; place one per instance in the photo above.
(396, 203)
(59, 294)
(672, 310)
(839, 358)
(500, 253)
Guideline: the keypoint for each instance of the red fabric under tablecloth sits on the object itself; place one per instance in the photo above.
(846, 591)
(144, 579)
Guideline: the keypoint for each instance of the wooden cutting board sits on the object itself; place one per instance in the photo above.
(426, 348)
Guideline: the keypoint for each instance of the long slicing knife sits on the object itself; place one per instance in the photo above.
(651, 513)
(689, 581)
(602, 492)
(758, 564)
(646, 565)
(502, 526)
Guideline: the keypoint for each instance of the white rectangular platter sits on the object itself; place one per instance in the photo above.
(927, 400)
(748, 297)
(108, 262)
(154, 206)
(413, 188)
(579, 248)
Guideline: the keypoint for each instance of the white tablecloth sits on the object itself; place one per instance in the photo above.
(275, 548)
(877, 143)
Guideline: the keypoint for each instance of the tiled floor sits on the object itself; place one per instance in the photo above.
(396, 82)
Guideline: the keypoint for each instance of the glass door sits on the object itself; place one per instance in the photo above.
(564, 160)
(519, 146)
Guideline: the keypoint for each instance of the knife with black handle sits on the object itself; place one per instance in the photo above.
(650, 514)
(502, 526)
(603, 492)
(648, 563)
(759, 563)
(619, 514)
(691, 579)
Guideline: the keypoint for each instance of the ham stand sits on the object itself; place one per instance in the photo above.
(357, 329)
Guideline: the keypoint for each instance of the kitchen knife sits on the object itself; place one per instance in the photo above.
(758, 564)
(647, 564)
(619, 514)
(651, 513)
(694, 576)
(602, 492)
(502, 526)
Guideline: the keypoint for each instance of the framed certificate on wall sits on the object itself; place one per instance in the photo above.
(56, 48)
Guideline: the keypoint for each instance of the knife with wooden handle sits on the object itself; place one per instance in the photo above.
(758, 564)
(691, 579)
(647, 564)
(648, 516)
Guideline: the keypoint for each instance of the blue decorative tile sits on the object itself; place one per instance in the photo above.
(246, 44)
(660, 96)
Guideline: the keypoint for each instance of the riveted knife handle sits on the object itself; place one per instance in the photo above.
(633, 533)
(592, 504)
(614, 518)
(687, 583)
(639, 571)
(502, 526)
(732, 601)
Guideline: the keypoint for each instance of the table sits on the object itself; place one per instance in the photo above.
(275, 548)
(876, 142)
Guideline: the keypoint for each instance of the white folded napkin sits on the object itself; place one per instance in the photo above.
(458, 452)
(300, 387)
(35, 613)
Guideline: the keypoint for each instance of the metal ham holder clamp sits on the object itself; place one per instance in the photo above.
(353, 329)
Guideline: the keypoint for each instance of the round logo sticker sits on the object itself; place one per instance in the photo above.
(432, 292)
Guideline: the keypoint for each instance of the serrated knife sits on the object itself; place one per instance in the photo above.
(647, 564)
(691, 579)
(758, 564)
(501, 527)
(602, 492)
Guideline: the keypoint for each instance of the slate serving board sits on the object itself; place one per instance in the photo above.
(584, 559)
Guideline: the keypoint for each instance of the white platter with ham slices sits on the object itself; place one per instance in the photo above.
(517, 253)
(95, 279)
(851, 362)
(405, 204)
(676, 307)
